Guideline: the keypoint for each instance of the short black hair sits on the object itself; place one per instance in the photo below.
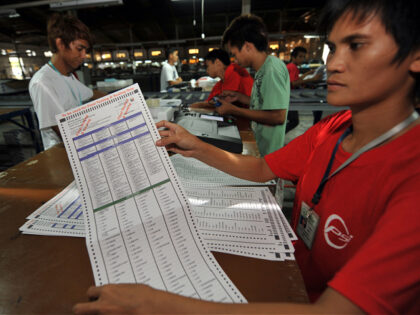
(67, 27)
(170, 51)
(220, 54)
(297, 50)
(401, 19)
(246, 28)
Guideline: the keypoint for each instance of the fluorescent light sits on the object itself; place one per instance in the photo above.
(10, 13)
(311, 36)
(65, 5)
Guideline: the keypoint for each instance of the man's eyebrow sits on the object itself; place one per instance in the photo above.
(353, 37)
(348, 39)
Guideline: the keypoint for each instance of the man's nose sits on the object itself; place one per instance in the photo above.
(335, 62)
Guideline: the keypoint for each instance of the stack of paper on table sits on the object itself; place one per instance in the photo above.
(244, 221)
(235, 219)
(138, 222)
(128, 186)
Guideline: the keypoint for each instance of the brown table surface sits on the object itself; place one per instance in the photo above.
(49, 274)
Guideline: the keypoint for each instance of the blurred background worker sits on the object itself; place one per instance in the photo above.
(232, 77)
(169, 75)
(54, 88)
(298, 57)
(246, 39)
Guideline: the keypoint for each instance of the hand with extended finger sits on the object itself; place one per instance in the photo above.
(135, 299)
(176, 139)
(226, 108)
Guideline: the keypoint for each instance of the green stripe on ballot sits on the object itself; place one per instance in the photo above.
(131, 196)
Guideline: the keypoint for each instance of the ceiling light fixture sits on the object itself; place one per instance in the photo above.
(311, 36)
(77, 4)
(202, 20)
(10, 13)
(194, 21)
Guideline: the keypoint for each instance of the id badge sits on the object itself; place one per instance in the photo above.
(307, 225)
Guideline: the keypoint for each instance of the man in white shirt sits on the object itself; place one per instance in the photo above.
(169, 75)
(54, 89)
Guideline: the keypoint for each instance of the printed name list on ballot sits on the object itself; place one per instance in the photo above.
(139, 224)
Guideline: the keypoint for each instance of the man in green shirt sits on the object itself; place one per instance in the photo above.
(246, 39)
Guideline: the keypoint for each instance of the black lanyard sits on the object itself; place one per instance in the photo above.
(382, 138)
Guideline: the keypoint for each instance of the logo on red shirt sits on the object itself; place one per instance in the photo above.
(336, 232)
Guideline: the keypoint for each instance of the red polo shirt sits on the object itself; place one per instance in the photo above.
(236, 79)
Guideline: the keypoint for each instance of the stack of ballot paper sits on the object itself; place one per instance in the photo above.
(146, 218)
(241, 218)
(234, 215)
(138, 224)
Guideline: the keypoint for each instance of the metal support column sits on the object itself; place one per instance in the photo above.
(246, 6)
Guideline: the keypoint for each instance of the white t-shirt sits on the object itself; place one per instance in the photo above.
(168, 73)
(53, 93)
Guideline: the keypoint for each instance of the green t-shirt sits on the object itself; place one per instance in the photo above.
(271, 91)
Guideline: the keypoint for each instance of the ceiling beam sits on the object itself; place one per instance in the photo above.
(30, 4)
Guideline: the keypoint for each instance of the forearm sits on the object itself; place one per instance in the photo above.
(178, 140)
(302, 80)
(261, 308)
(98, 94)
(202, 105)
(242, 166)
(297, 83)
(244, 99)
(330, 302)
(176, 81)
(268, 117)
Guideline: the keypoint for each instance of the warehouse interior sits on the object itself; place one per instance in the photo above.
(130, 41)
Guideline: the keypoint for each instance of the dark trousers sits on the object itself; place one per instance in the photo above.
(317, 115)
(292, 120)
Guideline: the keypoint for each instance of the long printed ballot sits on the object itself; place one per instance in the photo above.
(244, 221)
(139, 224)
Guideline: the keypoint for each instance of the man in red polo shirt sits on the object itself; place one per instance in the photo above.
(232, 77)
(298, 56)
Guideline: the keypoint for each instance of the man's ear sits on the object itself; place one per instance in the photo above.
(59, 44)
(247, 46)
(415, 63)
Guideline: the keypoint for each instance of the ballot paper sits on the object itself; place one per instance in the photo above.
(139, 224)
(195, 173)
(242, 220)
(40, 227)
(64, 208)
(213, 208)
(60, 216)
